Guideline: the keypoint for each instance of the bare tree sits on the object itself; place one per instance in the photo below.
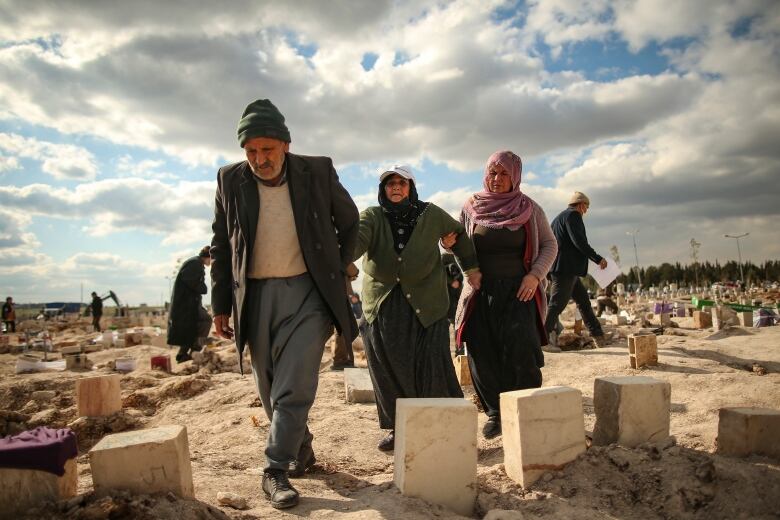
(695, 257)
(613, 250)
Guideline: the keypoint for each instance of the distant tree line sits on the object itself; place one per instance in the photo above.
(699, 274)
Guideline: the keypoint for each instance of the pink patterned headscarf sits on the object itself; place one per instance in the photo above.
(500, 210)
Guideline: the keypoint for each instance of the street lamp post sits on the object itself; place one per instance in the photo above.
(739, 252)
(636, 256)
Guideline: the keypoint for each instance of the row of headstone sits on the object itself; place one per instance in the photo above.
(142, 461)
(543, 430)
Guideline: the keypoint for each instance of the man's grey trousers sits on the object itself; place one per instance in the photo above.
(288, 324)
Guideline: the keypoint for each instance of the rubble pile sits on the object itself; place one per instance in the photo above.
(211, 361)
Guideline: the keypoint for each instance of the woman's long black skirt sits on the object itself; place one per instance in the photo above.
(405, 359)
(503, 343)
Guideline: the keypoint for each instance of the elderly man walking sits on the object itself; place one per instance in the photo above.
(571, 263)
(284, 231)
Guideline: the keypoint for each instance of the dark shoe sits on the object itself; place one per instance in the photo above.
(492, 428)
(181, 358)
(341, 366)
(306, 460)
(278, 489)
(388, 443)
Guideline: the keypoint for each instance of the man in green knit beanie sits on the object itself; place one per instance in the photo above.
(284, 230)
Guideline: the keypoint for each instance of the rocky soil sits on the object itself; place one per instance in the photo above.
(679, 478)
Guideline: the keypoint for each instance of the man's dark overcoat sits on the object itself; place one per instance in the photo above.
(573, 247)
(186, 301)
(326, 220)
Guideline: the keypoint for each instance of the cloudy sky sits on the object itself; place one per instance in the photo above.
(116, 115)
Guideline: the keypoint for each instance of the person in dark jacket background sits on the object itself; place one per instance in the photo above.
(96, 308)
(571, 263)
(9, 315)
(188, 319)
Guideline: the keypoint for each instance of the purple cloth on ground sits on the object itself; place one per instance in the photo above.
(42, 449)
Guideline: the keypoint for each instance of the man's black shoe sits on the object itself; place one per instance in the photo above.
(492, 428)
(181, 358)
(388, 443)
(306, 460)
(341, 366)
(278, 489)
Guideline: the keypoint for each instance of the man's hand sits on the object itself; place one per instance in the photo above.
(222, 326)
(448, 240)
(527, 288)
(603, 263)
(455, 284)
(475, 279)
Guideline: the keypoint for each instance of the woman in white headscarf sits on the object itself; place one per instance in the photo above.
(404, 326)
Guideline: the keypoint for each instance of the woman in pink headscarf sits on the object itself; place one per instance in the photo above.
(502, 323)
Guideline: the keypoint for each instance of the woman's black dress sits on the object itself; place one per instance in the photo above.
(501, 334)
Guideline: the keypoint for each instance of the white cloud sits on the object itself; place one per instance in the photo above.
(8, 163)
(688, 152)
(181, 213)
(468, 82)
(145, 169)
(61, 161)
(452, 201)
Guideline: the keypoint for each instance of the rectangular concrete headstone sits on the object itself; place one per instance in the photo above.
(631, 410)
(436, 451)
(358, 386)
(642, 350)
(92, 347)
(618, 320)
(743, 431)
(543, 429)
(76, 361)
(717, 318)
(144, 461)
(133, 338)
(702, 320)
(159, 340)
(22, 489)
(77, 349)
(98, 396)
(463, 371)
(745, 318)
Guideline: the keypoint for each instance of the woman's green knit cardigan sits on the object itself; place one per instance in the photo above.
(418, 268)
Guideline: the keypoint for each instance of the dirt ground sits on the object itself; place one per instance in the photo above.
(681, 478)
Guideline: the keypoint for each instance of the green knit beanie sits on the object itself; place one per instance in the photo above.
(262, 119)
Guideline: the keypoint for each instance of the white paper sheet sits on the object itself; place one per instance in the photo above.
(604, 276)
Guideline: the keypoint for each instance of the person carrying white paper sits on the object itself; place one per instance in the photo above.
(570, 264)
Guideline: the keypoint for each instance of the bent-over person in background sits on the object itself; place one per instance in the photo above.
(188, 321)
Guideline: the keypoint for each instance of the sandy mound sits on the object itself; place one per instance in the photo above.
(682, 478)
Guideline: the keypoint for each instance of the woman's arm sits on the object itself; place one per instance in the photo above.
(548, 249)
(548, 246)
(365, 233)
(463, 249)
